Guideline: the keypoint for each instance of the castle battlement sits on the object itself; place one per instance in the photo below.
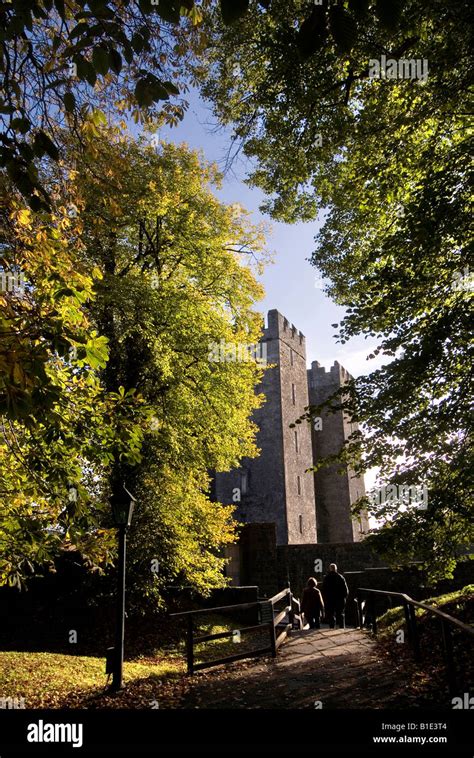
(280, 328)
(279, 486)
(337, 374)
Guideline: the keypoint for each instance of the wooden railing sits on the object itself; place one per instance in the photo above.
(270, 617)
(277, 640)
(447, 623)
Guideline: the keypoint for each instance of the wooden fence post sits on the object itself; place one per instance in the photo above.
(271, 626)
(449, 656)
(189, 645)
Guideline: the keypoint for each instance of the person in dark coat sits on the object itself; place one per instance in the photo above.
(335, 592)
(312, 604)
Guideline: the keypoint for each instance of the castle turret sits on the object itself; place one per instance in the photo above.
(274, 487)
(336, 490)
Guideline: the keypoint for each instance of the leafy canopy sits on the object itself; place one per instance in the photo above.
(153, 270)
(388, 161)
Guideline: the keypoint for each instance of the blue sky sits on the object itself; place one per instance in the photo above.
(290, 282)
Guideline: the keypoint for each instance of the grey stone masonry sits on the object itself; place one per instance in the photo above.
(274, 488)
(336, 490)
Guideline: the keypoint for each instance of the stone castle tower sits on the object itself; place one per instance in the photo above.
(274, 488)
(336, 490)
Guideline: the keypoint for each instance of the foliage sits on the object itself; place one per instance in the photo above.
(57, 425)
(176, 279)
(388, 161)
(106, 372)
(52, 680)
(390, 622)
(60, 61)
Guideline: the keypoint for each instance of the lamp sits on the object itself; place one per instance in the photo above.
(123, 503)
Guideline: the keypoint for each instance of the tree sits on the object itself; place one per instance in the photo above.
(61, 61)
(170, 282)
(173, 286)
(387, 158)
(58, 428)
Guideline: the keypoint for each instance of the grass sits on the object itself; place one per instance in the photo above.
(55, 680)
(225, 646)
(158, 679)
(456, 604)
(427, 680)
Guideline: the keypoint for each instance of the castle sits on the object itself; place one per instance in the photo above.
(306, 508)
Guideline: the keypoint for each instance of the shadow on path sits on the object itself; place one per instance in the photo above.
(340, 668)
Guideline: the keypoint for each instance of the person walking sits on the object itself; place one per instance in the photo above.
(335, 592)
(312, 604)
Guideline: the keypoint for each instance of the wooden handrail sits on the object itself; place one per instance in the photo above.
(242, 606)
(281, 615)
(222, 635)
(454, 621)
(409, 606)
(270, 624)
(279, 596)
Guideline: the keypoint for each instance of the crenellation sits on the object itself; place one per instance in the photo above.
(276, 487)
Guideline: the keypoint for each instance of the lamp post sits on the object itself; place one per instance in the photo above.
(123, 504)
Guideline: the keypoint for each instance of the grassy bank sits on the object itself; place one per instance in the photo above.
(428, 679)
(156, 679)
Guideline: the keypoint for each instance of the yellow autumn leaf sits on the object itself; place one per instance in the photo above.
(18, 374)
(24, 217)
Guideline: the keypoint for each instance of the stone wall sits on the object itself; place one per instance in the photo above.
(336, 487)
(297, 563)
(297, 444)
(272, 568)
(274, 486)
(258, 556)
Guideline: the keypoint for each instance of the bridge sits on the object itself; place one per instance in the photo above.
(317, 668)
(327, 668)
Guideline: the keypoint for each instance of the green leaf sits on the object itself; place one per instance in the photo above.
(98, 117)
(85, 70)
(359, 7)
(78, 30)
(101, 60)
(149, 89)
(343, 28)
(35, 203)
(389, 12)
(21, 125)
(44, 144)
(59, 5)
(143, 93)
(128, 53)
(115, 61)
(138, 42)
(232, 10)
(171, 88)
(95, 357)
(15, 27)
(26, 152)
(312, 33)
(169, 11)
(63, 292)
(69, 102)
(39, 12)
